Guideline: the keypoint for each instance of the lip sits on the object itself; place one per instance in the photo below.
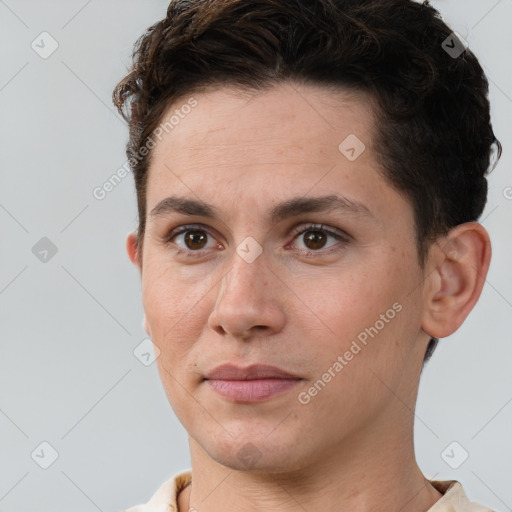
(254, 383)
(252, 372)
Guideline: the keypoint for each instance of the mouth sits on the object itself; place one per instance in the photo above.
(255, 383)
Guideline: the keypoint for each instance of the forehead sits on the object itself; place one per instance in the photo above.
(305, 117)
(262, 147)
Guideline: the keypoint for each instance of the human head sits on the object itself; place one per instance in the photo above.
(434, 130)
(250, 129)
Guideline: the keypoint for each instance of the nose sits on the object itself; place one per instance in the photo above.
(249, 300)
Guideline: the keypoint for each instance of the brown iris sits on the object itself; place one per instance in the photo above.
(317, 238)
(195, 237)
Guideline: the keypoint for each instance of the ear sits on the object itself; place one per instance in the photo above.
(456, 276)
(131, 249)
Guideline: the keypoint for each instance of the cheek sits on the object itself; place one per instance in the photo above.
(175, 313)
(174, 308)
(368, 304)
(345, 299)
(369, 326)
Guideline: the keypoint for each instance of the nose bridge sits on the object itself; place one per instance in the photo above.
(248, 258)
(248, 270)
(245, 298)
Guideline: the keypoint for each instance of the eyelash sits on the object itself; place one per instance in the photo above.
(296, 232)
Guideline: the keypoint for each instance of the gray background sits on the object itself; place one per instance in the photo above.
(69, 326)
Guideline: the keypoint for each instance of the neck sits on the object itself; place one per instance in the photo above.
(361, 479)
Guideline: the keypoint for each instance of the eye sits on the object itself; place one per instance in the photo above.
(314, 236)
(195, 239)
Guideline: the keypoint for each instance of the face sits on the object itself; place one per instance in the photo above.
(328, 291)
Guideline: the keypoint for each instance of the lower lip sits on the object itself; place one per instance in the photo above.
(251, 390)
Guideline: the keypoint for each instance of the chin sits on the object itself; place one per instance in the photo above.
(260, 452)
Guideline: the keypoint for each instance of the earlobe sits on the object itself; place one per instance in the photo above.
(460, 263)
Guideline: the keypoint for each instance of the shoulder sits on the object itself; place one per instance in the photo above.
(454, 498)
(165, 497)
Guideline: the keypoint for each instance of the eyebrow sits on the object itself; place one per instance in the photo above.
(289, 208)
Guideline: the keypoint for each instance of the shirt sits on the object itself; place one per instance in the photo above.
(165, 499)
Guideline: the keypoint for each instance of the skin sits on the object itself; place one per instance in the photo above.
(353, 442)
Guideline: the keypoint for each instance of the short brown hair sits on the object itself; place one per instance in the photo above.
(434, 134)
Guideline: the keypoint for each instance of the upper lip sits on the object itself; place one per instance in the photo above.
(255, 371)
